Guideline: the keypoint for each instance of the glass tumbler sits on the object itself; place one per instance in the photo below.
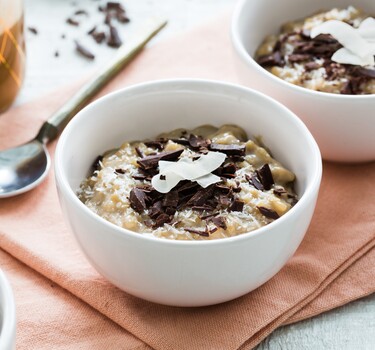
(12, 51)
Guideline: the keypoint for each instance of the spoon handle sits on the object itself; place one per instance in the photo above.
(56, 123)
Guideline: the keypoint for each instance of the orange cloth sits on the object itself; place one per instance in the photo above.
(54, 292)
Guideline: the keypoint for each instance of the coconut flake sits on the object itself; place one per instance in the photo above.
(367, 29)
(171, 173)
(358, 44)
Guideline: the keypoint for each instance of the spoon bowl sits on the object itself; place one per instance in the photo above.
(23, 167)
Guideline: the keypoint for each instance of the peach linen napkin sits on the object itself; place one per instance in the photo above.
(62, 302)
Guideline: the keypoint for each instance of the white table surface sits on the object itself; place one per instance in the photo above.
(349, 327)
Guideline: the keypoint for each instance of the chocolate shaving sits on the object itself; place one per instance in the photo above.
(197, 142)
(33, 30)
(268, 213)
(92, 30)
(309, 66)
(150, 162)
(137, 199)
(120, 171)
(72, 22)
(237, 150)
(96, 164)
(237, 205)
(114, 39)
(202, 207)
(83, 51)
(81, 12)
(201, 196)
(122, 18)
(273, 59)
(99, 37)
(171, 199)
(253, 180)
(154, 144)
(141, 177)
(139, 152)
(155, 210)
(209, 216)
(162, 219)
(364, 72)
(219, 222)
(224, 200)
(181, 141)
(198, 232)
(298, 58)
(265, 176)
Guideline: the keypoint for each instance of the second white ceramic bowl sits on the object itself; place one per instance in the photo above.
(343, 126)
(185, 273)
(7, 315)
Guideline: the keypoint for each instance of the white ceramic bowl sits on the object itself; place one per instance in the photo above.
(7, 315)
(343, 126)
(185, 273)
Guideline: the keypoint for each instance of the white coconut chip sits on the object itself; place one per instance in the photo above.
(171, 173)
(358, 49)
(367, 29)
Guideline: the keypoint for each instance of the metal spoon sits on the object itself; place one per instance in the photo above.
(24, 167)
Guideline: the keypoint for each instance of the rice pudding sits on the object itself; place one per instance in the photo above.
(200, 184)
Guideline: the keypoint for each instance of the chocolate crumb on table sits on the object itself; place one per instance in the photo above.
(83, 51)
(251, 189)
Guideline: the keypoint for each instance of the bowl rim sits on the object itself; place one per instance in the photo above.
(248, 59)
(312, 187)
(8, 325)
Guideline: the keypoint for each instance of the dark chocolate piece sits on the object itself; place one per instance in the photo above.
(81, 12)
(198, 232)
(237, 205)
(268, 213)
(265, 176)
(171, 199)
(309, 66)
(273, 59)
(150, 162)
(155, 210)
(120, 171)
(114, 39)
(298, 58)
(83, 51)
(33, 30)
(219, 222)
(154, 144)
(72, 22)
(237, 150)
(96, 164)
(162, 219)
(224, 200)
(137, 200)
(139, 152)
(197, 142)
(201, 196)
(253, 180)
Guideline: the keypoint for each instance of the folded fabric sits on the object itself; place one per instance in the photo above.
(331, 266)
